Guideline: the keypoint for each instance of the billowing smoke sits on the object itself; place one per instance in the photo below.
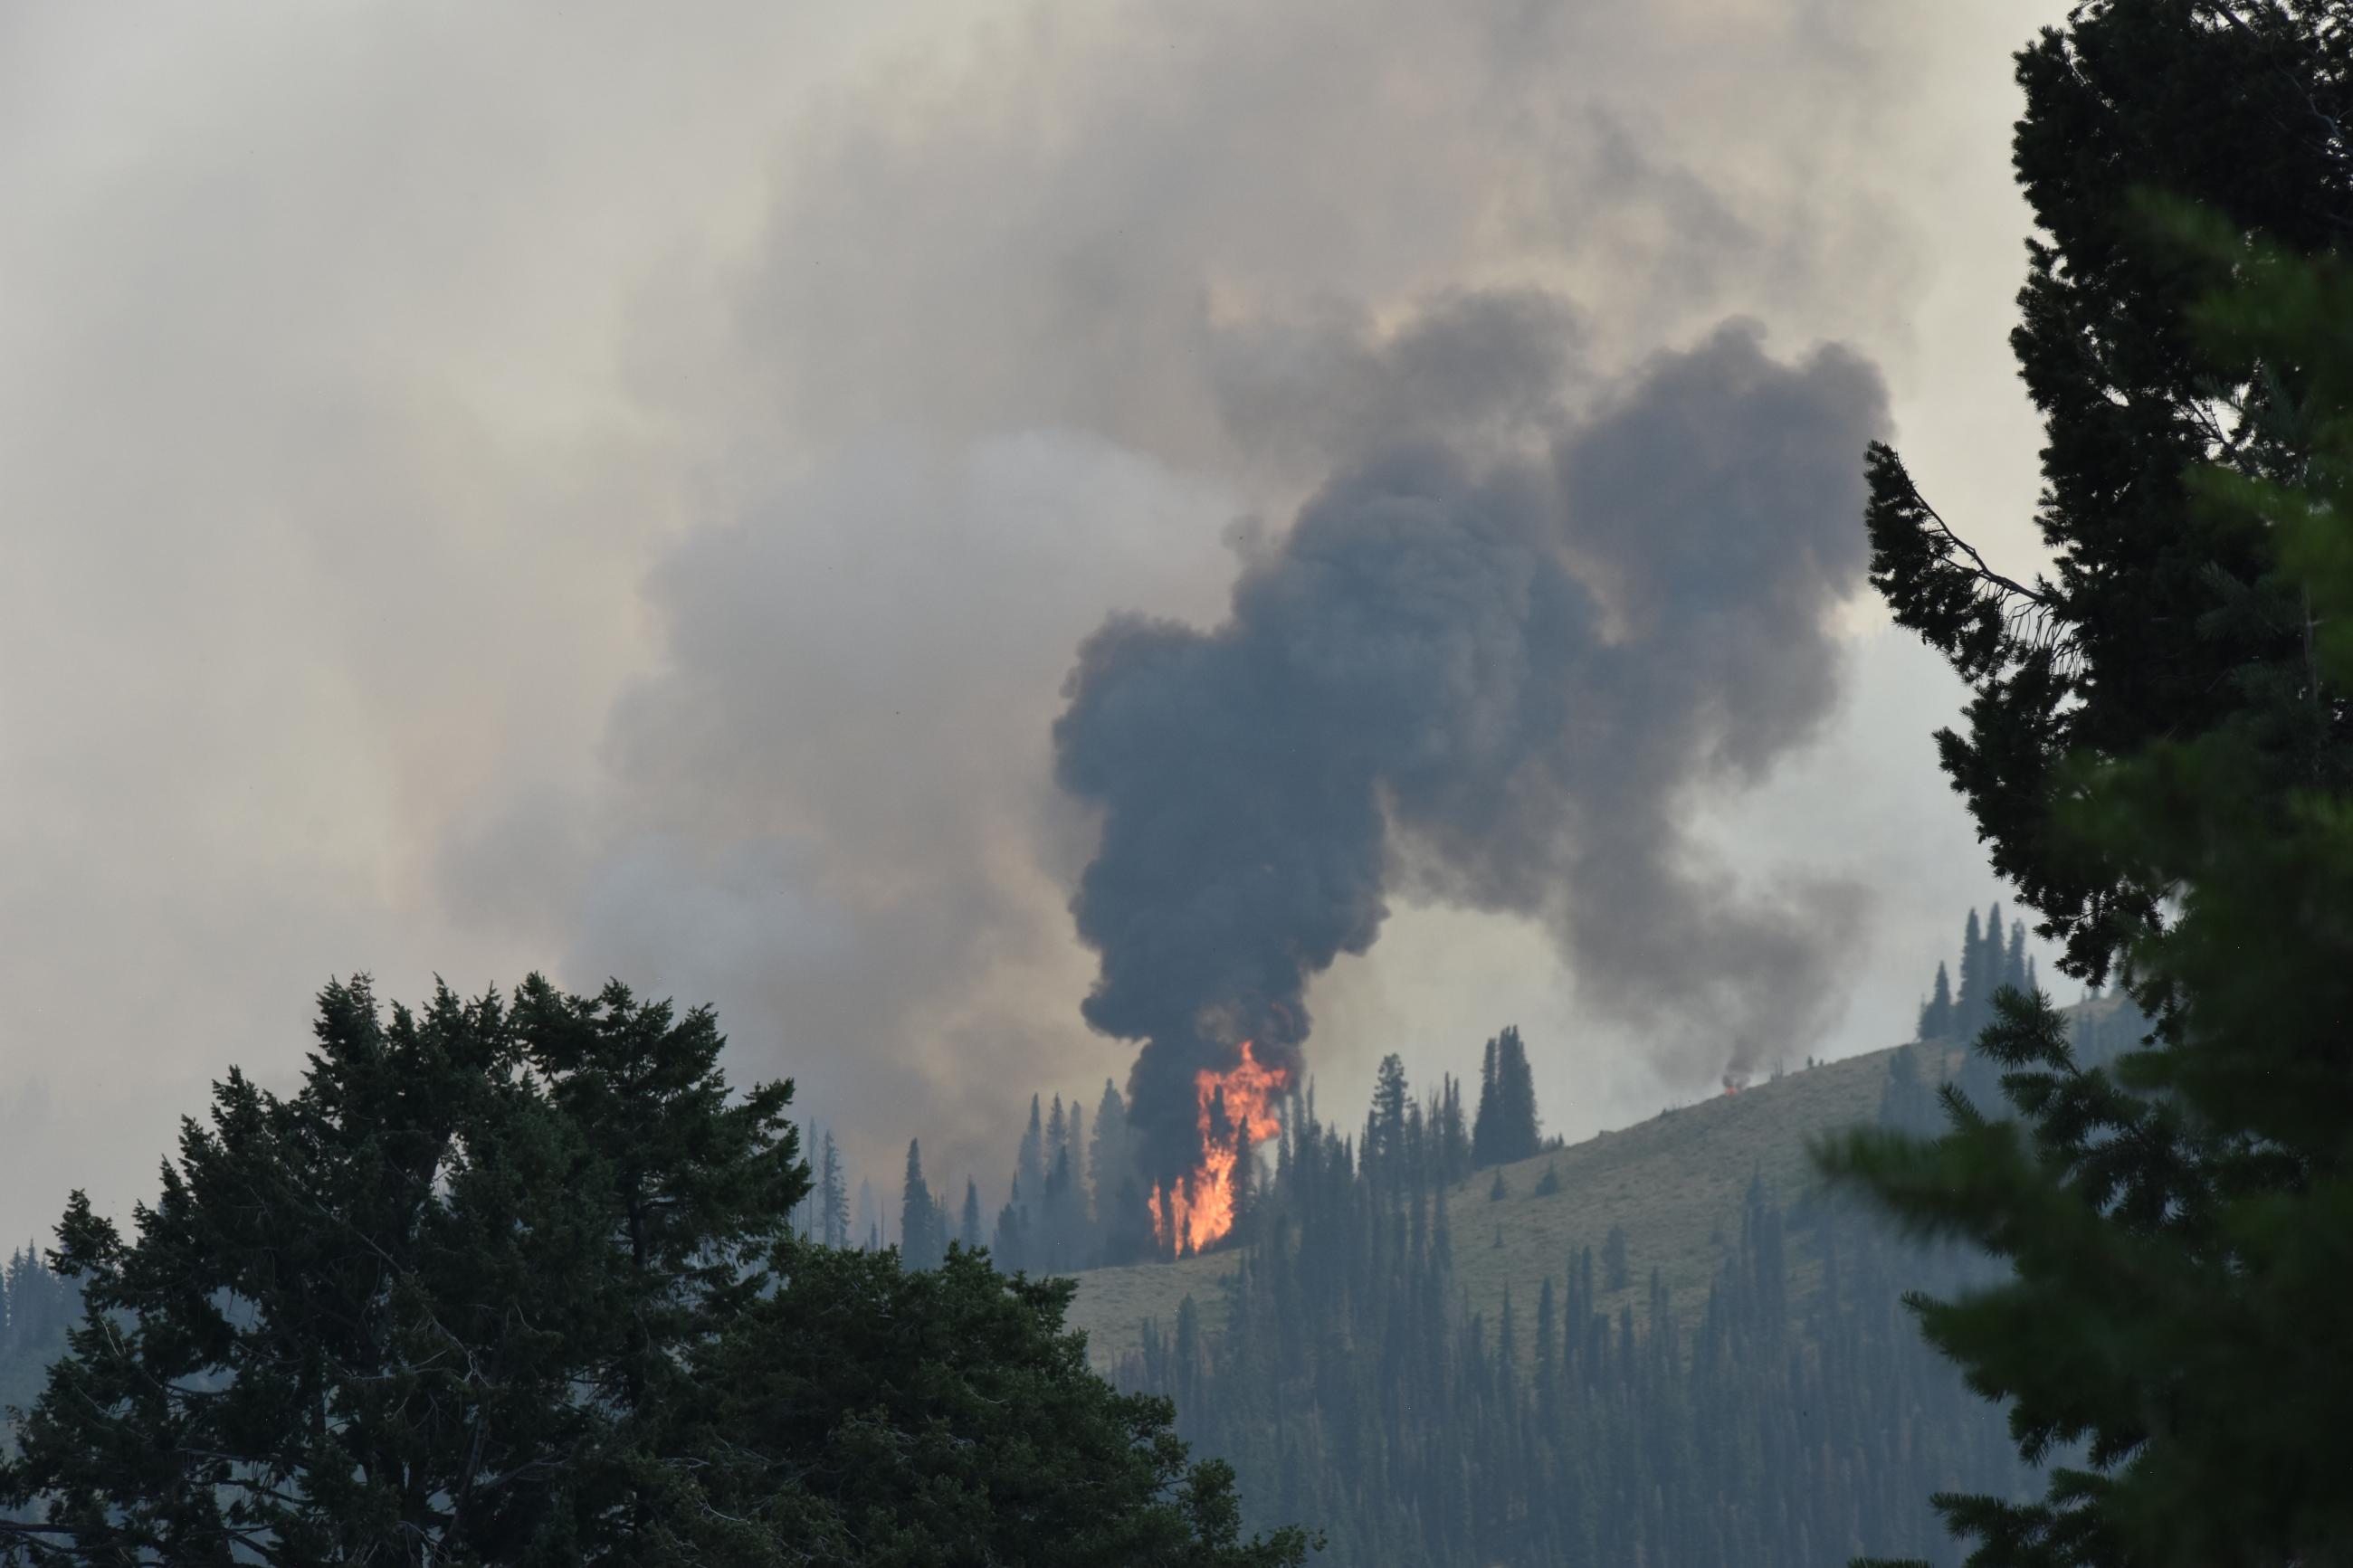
(1507, 682)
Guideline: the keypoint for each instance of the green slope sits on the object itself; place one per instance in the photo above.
(1675, 1183)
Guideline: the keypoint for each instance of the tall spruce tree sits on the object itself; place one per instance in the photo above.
(1937, 1013)
(1975, 984)
(1385, 1123)
(1007, 1245)
(1030, 1166)
(1521, 1130)
(1074, 1144)
(1058, 1218)
(833, 1198)
(1506, 1128)
(969, 1229)
(1483, 1134)
(2159, 754)
(1111, 1173)
(1453, 1136)
(919, 1243)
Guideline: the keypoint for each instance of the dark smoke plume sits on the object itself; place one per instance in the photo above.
(1504, 685)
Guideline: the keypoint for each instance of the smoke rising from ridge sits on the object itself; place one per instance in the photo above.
(625, 503)
(1504, 683)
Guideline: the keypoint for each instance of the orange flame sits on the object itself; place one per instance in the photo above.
(1200, 1209)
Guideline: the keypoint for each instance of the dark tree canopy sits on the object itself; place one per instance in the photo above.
(2234, 108)
(946, 1417)
(1936, 1013)
(518, 1283)
(923, 1241)
(2159, 754)
(437, 1296)
(1506, 1128)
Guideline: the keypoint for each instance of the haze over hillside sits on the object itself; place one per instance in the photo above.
(1675, 1183)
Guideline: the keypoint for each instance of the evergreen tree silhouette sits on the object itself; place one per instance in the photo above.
(969, 1232)
(1977, 983)
(920, 1246)
(1936, 1015)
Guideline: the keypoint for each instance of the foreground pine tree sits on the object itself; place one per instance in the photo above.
(2160, 756)
(518, 1284)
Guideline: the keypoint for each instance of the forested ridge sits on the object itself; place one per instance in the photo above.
(1790, 1414)
(36, 1308)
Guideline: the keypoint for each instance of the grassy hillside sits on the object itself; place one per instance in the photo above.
(1675, 1183)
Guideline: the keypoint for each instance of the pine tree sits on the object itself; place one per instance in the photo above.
(1453, 1137)
(1008, 1247)
(833, 1198)
(1029, 1170)
(1992, 960)
(2160, 761)
(1076, 1149)
(1506, 1128)
(969, 1232)
(1385, 1125)
(1977, 984)
(1107, 1150)
(1520, 1132)
(1936, 1016)
(1246, 1194)
(1110, 1170)
(918, 1244)
(1484, 1127)
(1028, 1195)
(1057, 1229)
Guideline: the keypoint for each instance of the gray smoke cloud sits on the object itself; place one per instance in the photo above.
(490, 489)
(1505, 683)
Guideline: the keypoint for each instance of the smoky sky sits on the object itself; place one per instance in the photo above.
(596, 490)
(1506, 683)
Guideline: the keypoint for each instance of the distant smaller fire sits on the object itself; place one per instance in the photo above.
(1734, 1081)
(1237, 1104)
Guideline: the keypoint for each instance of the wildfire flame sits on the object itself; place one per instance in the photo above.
(1200, 1209)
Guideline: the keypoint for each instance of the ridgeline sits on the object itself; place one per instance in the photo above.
(1674, 1185)
(1665, 1344)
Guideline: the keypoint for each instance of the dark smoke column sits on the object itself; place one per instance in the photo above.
(1509, 685)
